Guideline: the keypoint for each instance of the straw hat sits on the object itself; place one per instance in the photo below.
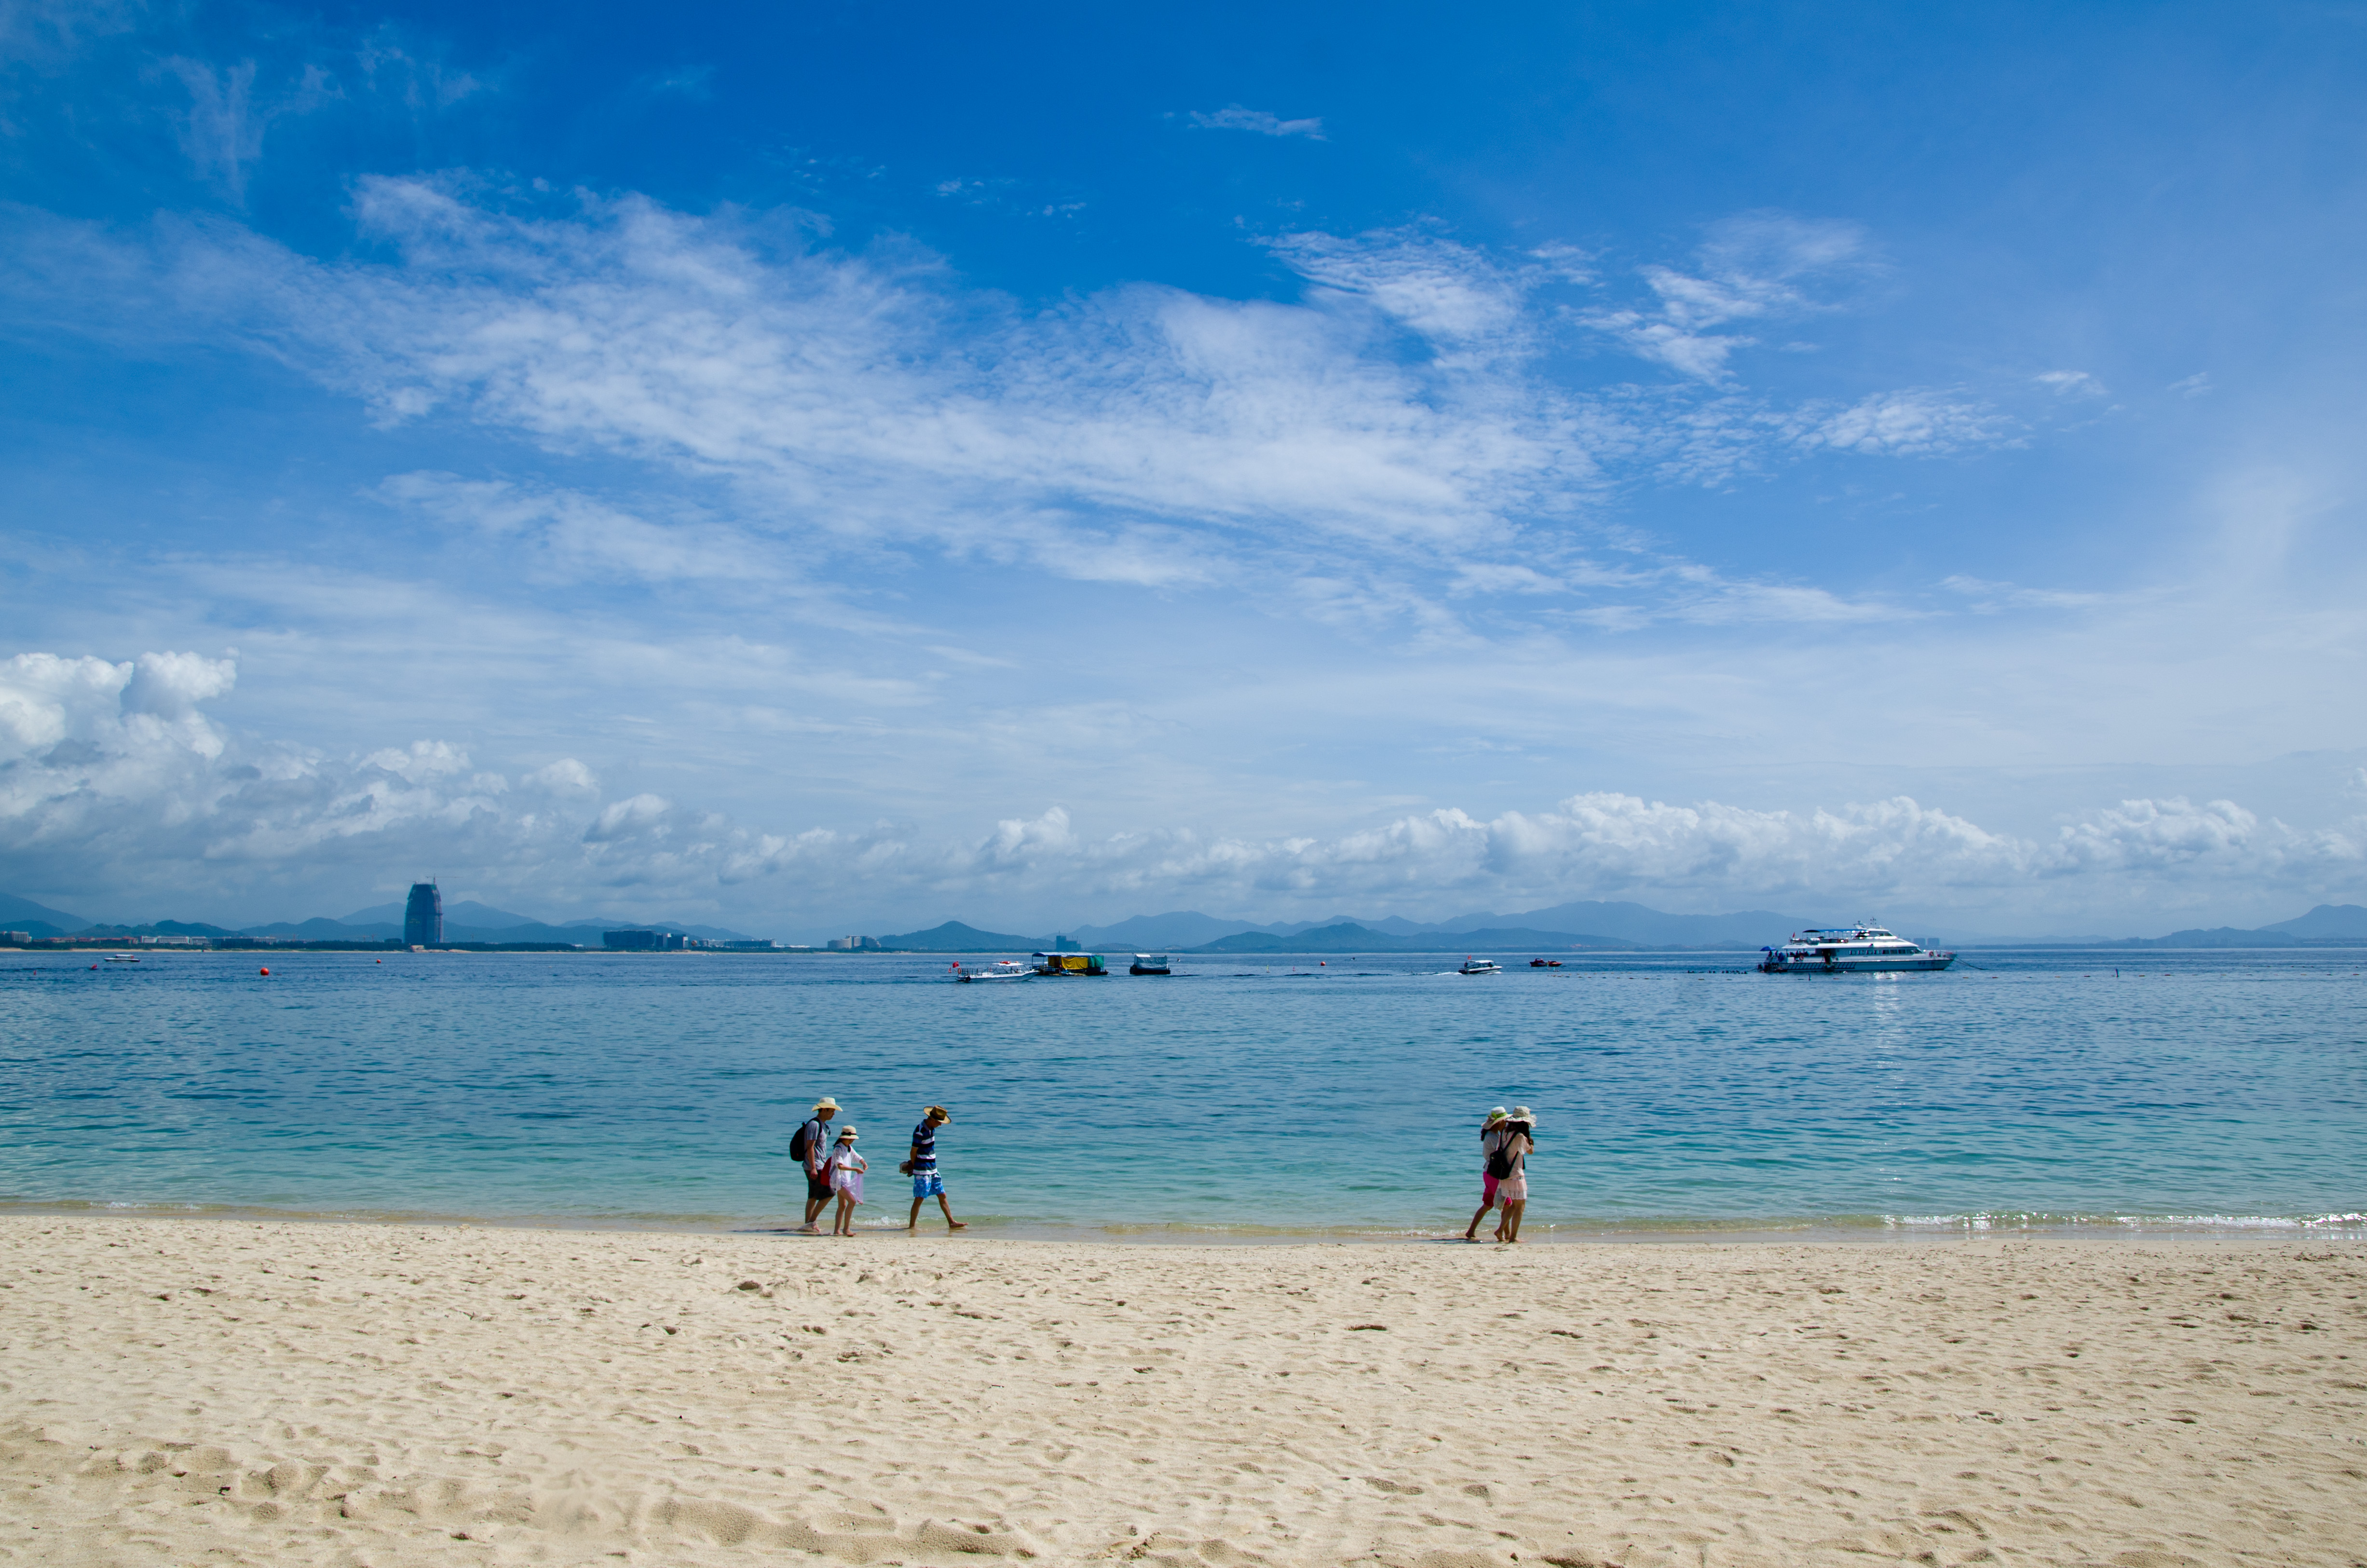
(847, 1134)
(940, 1112)
(825, 1103)
(1494, 1117)
(1520, 1113)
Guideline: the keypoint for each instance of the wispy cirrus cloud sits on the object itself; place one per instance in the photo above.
(861, 402)
(1984, 598)
(577, 536)
(2070, 383)
(1916, 421)
(1233, 117)
(1760, 267)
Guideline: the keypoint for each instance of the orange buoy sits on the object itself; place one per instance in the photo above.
(267, 972)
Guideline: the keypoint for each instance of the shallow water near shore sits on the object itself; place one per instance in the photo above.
(1239, 1099)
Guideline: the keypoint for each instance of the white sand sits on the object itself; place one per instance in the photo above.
(185, 1392)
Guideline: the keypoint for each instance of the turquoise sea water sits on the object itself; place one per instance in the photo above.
(1675, 1092)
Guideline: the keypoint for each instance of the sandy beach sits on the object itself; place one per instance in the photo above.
(235, 1391)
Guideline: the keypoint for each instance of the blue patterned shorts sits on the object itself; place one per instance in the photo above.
(928, 1185)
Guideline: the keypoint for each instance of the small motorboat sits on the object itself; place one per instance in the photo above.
(1008, 969)
(122, 958)
(1149, 963)
(1479, 966)
(1536, 963)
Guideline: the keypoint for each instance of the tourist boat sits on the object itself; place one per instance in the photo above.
(1149, 963)
(122, 958)
(1069, 963)
(1855, 949)
(1479, 966)
(1008, 969)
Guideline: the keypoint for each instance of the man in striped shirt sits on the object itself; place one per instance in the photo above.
(927, 1182)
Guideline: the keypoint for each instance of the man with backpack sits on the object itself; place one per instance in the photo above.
(810, 1147)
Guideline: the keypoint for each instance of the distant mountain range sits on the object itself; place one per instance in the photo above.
(1193, 932)
(465, 921)
(36, 919)
(1583, 925)
(2326, 923)
(1587, 923)
(1350, 938)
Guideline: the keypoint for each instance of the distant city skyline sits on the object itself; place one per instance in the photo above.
(805, 471)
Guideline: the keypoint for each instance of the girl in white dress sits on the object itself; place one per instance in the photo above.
(846, 1168)
(1512, 1191)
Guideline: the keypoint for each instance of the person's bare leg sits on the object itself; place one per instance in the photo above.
(1471, 1231)
(913, 1223)
(1512, 1231)
(951, 1223)
(814, 1206)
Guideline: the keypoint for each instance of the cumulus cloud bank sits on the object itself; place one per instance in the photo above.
(113, 777)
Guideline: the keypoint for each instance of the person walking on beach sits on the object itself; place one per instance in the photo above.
(846, 1168)
(1491, 1138)
(811, 1148)
(1512, 1158)
(923, 1169)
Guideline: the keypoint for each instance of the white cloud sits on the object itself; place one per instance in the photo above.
(1916, 423)
(221, 132)
(1235, 117)
(222, 129)
(2195, 385)
(2070, 383)
(1759, 267)
(1453, 294)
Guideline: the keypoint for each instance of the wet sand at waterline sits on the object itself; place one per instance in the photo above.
(174, 1392)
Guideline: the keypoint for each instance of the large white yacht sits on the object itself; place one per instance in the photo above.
(1854, 949)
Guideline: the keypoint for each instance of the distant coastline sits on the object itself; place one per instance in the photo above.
(1584, 927)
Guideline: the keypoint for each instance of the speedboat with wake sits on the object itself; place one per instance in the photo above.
(1480, 966)
(1009, 968)
(1854, 949)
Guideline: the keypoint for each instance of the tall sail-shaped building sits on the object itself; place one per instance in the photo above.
(423, 918)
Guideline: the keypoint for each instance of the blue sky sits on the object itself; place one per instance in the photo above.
(821, 467)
